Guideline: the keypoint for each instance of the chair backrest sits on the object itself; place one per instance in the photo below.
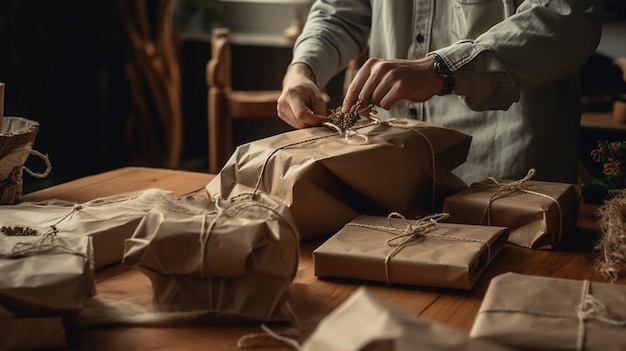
(226, 104)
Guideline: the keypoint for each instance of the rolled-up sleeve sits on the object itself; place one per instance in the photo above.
(544, 41)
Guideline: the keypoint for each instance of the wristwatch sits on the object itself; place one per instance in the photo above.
(442, 70)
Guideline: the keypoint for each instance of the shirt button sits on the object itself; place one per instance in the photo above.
(413, 113)
(419, 38)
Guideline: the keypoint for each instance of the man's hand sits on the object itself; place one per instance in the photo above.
(301, 104)
(384, 82)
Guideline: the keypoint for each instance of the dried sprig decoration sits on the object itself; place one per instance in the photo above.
(612, 243)
(345, 121)
(612, 156)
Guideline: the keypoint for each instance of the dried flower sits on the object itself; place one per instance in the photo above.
(347, 120)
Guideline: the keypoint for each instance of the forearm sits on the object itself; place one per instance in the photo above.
(335, 32)
(537, 45)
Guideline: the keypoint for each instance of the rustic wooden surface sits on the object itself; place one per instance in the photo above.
(311, 298)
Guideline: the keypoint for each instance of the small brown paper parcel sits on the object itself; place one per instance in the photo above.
(365, 322)
(537, 213)
(540, 313)
(235, 259)
(108, 220)
(423, 252)
(327, 178)
(45, 276)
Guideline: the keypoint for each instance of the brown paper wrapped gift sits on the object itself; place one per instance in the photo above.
(418, 253)
(108, 220)
(234, 259)
(539, 313)
(367, 322)
(537, 213)
(328, 178)
(45, 276)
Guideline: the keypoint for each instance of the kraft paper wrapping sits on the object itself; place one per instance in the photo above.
(108, 220)
(366, 322)
(236, 259)
(327, 179)
(535, 220)
(452, 256)
(45, 276)
(539, 313)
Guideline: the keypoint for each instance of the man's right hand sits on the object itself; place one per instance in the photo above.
(301, 104)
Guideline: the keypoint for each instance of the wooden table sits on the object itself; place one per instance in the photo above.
(311, 298)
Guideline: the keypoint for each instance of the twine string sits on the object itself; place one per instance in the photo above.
(507, 188)
(44, 245)
(287, 337)
(411, 233)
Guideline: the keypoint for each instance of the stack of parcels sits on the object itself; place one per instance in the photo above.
(44, 282)
(537, 213)
(539, 313)
(367, 322)
(328, 178)
(233, 259)
(107, 220)
(423, 253)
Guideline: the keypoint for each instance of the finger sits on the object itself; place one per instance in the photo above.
(299, 114)
(389, 98)
(354, 89)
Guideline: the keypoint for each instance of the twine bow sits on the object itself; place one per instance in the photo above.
(411, 233)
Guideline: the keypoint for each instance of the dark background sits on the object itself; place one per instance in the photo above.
(62, 63)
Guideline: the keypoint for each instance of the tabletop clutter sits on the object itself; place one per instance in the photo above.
(381, 195)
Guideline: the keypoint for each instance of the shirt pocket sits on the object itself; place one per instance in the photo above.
(471, 18)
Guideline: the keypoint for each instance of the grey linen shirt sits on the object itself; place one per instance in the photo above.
(516, 63)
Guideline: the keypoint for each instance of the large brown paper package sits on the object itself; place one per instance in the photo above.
(51, 275)
(234, 258)
(327, 178)
(381, 249)
(108, 220)
(366, 322)
(537, 213)
(539, 313)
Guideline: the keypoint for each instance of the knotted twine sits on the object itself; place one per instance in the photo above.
(423, 227)
(589, 308)
(507, 188)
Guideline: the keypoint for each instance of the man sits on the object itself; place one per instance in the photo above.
(503, 71)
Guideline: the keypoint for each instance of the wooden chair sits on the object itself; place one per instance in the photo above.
(226, 104)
